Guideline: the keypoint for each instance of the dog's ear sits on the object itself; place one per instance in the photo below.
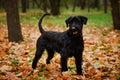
(83, 18)
(68, 20)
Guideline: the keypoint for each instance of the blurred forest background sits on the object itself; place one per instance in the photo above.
(19, 32)
(57, 7)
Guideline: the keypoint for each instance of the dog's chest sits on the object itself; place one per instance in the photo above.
(74, 47)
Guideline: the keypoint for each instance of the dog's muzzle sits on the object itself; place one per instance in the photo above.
(74, 30)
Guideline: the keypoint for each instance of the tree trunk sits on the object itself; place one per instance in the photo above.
(44, 5)
(74, 5)
(66, 5)
(2, 4)
(97, 4)
(14, 30)
(115, 13)
(83, 4)
(24, 5)
(27, 4)
(80, 3)
(35, 2)
(55, 7)
(105, 6)
(88, 3)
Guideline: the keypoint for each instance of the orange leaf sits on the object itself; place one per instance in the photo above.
(65, 75)
(51, 67)
(91, 71)
(2, 53)
(10, 76)
(99, 74)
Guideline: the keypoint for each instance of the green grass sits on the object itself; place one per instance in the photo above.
(95, 18)
(118, 77)
(100, 19)
(15, 61)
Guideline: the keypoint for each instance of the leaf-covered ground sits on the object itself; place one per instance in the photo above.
(101, 57)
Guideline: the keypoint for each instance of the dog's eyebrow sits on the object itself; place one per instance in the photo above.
(74, 17)
(78, 18)
(71, 18)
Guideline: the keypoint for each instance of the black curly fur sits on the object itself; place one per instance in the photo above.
(68, 43)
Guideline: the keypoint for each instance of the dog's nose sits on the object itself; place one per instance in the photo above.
(73, 27)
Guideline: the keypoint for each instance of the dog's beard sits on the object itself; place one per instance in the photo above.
(75, 32)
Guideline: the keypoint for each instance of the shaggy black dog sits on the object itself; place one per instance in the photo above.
(68, 43)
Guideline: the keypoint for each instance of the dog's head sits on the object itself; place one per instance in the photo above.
(75, 24)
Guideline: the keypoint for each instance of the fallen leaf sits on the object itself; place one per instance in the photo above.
(99, 74)
(11, 76)
(51, 67)
(65, 75)
(5, 68)
(91, 71)
(2, 53)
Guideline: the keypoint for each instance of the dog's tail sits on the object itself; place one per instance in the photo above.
(40, 21)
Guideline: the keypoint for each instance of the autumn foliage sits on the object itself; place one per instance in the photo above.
(101, 57)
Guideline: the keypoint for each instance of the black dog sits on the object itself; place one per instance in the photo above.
(68, 43)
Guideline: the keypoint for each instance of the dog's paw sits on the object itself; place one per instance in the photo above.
(64, 69)
(33, 66)
(48, 62)
(79, 73)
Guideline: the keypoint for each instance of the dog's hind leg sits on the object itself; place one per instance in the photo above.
(50, 55)
(37, 57)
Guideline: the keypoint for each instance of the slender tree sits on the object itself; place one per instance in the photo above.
(115, 8)
(36, 2)
(74, 5)
(83, 4)
(97, 4)
(27, 4)
(55, 7)
(105, 6)
(88, 3)
(14, 30)
(2, 4)
(44, 5)
(24, 5)
(66, 5)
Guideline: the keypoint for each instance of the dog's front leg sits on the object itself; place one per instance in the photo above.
(64, 59)
(78, 61)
